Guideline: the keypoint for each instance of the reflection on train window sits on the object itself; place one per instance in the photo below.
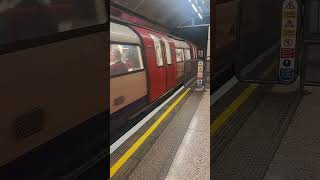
(187, 54)
(168, 51)
(124, 59)
(24, 19)
(179, 55)
(157, 46)
(200, 53)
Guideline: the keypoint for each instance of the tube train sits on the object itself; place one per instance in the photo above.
(53, 86)
(144, 66)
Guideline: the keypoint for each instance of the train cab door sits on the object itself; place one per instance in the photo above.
(170, 69)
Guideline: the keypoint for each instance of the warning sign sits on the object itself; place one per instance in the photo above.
(288, 40)
(290, 5)
(289, 24)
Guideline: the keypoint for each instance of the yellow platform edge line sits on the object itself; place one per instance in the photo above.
(140, 141)
(217, 123)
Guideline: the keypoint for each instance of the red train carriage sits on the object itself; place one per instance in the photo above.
(144, 66)
(183, 54)
(160, 62)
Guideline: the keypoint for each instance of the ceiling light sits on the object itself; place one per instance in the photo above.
(194, 8)
(200, 15)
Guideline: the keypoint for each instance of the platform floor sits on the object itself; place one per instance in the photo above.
(278, 140)
(163, 154)
(249, 152)
(192, 161)
(298, 156)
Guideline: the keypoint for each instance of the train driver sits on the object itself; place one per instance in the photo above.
(116, 65)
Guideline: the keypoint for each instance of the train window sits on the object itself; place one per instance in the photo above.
(157, 46)
(193, 56)
(124, 59)
(200, 53)
(22, 19)
(163, 50)
(195, 52)
(179, 55)
(187, 54)
(168, 52)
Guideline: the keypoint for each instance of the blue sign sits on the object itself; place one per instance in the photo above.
(287, 63)
(286, 74)
(199, 83)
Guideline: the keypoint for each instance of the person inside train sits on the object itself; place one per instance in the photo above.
(116, 65)
(132, 60)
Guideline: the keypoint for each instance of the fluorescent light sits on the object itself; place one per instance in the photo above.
(200, 15)
(194, 8)
(190, 1)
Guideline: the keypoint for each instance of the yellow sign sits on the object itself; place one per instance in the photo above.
(288, 32)
(289, 14)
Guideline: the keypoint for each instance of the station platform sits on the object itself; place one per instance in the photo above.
(172, 142)
(298, 154)
(264, 131)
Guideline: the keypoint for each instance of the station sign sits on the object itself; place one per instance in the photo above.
(288, 39)
(200, 74)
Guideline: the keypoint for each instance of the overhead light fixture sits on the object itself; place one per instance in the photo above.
(194, 8)
(190, 1)
(200, 15)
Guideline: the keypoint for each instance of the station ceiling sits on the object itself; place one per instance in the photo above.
(168, 13)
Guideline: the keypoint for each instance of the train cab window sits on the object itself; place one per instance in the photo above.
(187, 54)
(168, 51)
(124, 59)
(157, 46)
(179, 55)
(25, 19)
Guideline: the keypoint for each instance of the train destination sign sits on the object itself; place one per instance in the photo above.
(288, 40)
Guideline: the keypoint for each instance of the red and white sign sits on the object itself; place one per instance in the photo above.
(287, 52)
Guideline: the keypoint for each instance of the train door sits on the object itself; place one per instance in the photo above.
(157, 69)
(180, 64)
(170, 68)
(194, 52)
